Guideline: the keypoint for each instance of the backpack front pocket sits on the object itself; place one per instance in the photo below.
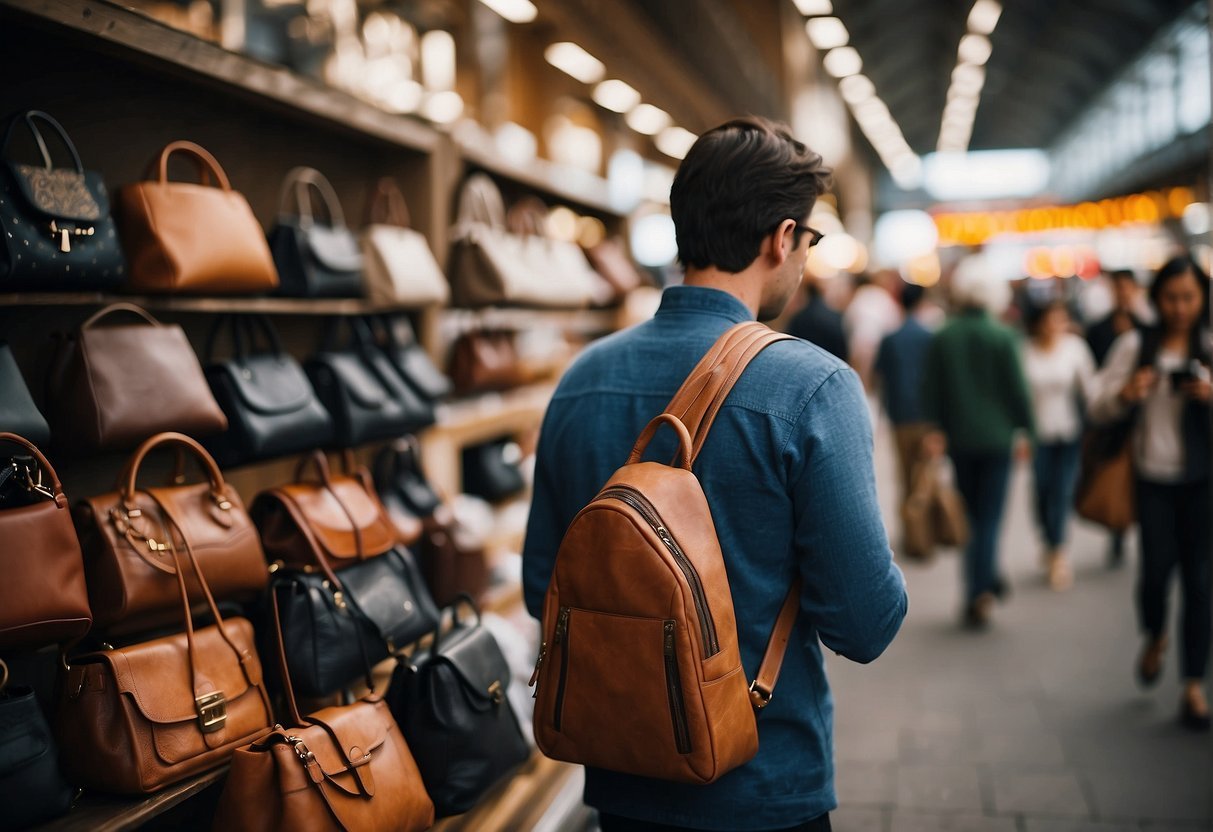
(596, 693)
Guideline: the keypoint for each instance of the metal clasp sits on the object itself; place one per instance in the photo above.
(212, 711)
(759, 698)
(497, 692)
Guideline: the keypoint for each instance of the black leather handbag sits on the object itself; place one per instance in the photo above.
(411, 359)
(270, 406)
(333, 627)
(491, 471)
(363, 392)
(18, 413)
(32, 790)
(56, 232)
(450, 703)
(314, 259)
(399, 479)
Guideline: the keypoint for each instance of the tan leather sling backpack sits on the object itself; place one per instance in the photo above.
(639, 670)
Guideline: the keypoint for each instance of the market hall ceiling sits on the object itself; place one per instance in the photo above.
(1050, 57)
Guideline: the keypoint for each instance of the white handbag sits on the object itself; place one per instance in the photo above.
(491, 265)
(399, 266)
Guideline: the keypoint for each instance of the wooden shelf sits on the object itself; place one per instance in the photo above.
(518, 802)
(134, 35)
(578, 321)
(557, 181)
(490, 415)
(184, 303)
(99, 813)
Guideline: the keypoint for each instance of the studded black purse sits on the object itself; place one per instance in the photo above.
(56, 232)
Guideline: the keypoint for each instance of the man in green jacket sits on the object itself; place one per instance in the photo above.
(974, 392)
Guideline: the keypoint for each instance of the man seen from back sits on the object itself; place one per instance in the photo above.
(787, 470)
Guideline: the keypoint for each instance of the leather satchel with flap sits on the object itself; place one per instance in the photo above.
(270, 405)
(56, 232)
(142, 717)
(192, 237)
(129, 536)
(450, 701)
(111, 387)
(315, 259)
(335, 519)
(339, 769)
(43, 599)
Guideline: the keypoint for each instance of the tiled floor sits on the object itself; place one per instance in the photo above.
(1034, 726)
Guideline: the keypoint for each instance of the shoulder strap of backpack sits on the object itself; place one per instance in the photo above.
(696, 404)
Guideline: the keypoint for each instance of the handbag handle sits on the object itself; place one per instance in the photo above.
(114, 308)
(56, 489)
(387, 205)
(297, 180)
(214, 475)
(480, 202)
(29, 117)
(242, 656)
(206, 164)
(526, 217)
(461, 600)
(243, 329)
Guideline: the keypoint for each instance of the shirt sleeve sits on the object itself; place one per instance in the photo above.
(1017, 388)
(1103, 402)
(1084, 368)
(852, 592)
(545, 528)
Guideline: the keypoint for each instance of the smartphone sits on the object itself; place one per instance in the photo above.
(1181, 377)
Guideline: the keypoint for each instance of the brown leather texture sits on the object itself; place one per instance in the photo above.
(192, 238)
(349, 769)
(640, 670)
(486, 360)
(126, 718)
(305, 523)
(111, 387)
(1105, 492)
(43, 598)
(450, 566)
(131, 576)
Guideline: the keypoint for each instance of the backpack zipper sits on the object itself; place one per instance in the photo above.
(561, 636)
(673, 684)
(633, 498)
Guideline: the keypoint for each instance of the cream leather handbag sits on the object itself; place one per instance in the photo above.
(399, 267)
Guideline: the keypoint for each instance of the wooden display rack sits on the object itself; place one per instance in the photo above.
(124, 85)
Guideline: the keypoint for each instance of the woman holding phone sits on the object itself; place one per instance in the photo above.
(1159, 378)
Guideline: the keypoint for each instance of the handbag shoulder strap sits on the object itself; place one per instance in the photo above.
(480, 202)
(55, 492)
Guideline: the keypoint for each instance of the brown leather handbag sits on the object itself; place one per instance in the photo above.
(192, 237)
(130, 537)
(331, 522)
(486, 360)
(111, 387)
(1104, 493)
(340, 769)
(42, 596)
(135, 719)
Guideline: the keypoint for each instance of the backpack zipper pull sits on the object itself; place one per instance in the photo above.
(543, 649)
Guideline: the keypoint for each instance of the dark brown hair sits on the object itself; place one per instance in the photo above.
(736, 185)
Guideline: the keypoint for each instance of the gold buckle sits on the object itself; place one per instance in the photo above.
(759, 698)
(212, 711)
(497, 692)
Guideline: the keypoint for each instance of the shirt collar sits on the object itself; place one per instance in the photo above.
(705, 301)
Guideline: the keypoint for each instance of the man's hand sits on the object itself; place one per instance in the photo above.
(1139, 386)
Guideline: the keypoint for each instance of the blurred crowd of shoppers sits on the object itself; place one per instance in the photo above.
(984, 392)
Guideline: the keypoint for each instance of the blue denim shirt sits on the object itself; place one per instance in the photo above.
(788, 474)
